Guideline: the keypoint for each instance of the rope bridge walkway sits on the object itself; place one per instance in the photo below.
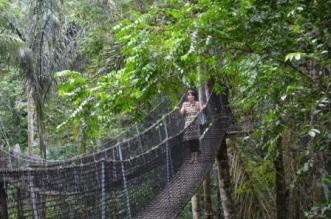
(147, 175)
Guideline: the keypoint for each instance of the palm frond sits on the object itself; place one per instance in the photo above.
(251, 197)
(9, 42)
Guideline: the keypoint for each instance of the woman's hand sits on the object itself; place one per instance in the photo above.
(202, 107)
(182, 110)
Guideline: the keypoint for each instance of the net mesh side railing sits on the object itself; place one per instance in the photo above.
(116, 182)
(133, 130)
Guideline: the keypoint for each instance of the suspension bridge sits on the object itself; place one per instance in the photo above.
(142, 175)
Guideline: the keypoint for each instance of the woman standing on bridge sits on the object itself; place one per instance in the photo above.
(190, 110)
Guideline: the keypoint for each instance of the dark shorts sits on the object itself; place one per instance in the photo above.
(193, 144)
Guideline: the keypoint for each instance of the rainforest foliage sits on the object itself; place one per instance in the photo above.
(98, 66)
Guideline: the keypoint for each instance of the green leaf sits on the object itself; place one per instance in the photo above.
(295, 55)
(313, 132)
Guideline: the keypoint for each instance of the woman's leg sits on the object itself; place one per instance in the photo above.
(194, 146)
(196, 157)
(191, 144)
(192, 157)
(196, 150)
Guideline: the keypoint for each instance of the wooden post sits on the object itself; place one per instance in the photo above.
(140, 141)
(20, 203)
(139, 138)
(103, 191)
(125, 183)
(168, 158)
(33, 197)
(3, 194)
(3, 200)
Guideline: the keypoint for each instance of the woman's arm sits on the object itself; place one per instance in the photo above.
(182, 110)
(202, 107)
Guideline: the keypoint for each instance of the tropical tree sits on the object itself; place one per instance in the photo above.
(273, 58)
(270, 59)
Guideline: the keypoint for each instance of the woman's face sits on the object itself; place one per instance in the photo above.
(190, 97)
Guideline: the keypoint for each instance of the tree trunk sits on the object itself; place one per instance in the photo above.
(206, 197)
(225, 186)
(218, 195)
(30, 120)
(318, 165)
(41, 126)
(281, 191)
(195, 207)
(42, 140)
(203, 94)
(3, 194)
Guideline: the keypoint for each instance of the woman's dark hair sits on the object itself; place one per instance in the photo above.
(190, 92)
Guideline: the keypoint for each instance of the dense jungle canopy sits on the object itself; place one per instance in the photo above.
(76, 73)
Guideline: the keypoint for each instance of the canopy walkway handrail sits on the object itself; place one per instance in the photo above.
(87, 155)
(50, 165)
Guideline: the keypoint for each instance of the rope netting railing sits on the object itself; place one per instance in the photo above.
(115, 182)
(148, 120)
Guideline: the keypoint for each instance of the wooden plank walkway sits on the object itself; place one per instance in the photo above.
(169, 202)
